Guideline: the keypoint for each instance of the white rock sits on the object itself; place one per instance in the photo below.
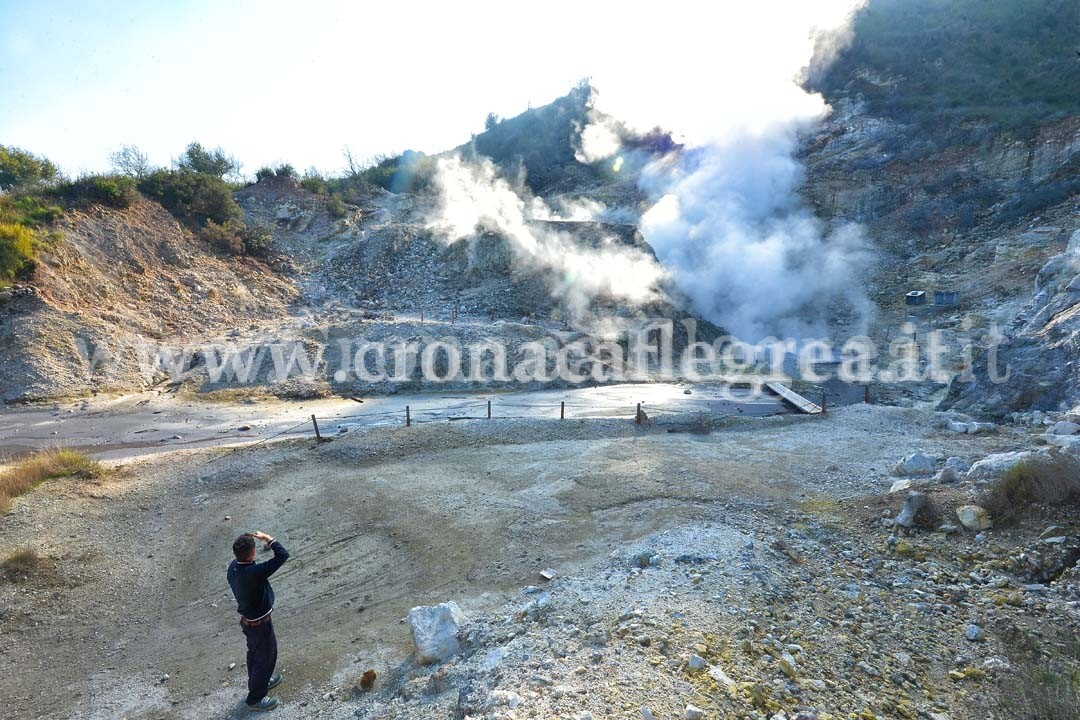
(693, 712)
(947, 476)
(717, 673)
(956, 426)
(974, 517)
(437, 631)
(646, 714)
(696, 663)
(996, 465)
(915, 464)
(906, 483)
(1073, 415)
(504, 698)
(1064, 427)
(1068, 442)
(960, 465)
(974, 428)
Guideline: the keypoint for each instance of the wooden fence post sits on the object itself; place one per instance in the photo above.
(489, 410)
(408, 418)
(318, 436)
(562, 410)
(637, 414)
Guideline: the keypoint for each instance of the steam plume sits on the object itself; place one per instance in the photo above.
(473, 197)
(727, 220)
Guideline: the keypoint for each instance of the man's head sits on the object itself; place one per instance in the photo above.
(243, 548)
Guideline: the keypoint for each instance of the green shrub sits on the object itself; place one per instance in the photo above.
(256, 239)
(16, 250)
(22, 168)
(314, 182)
(224, 236)
(116, 191)
(197, 159)
(335, 206)
(192, 197)
(285, 170)
(263, 173)
(31, 210)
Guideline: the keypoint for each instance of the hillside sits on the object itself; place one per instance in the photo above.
(955, 139)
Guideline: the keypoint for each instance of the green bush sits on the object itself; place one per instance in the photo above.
(335, 206)
(197, 159)
(263, 173)
(223, 236)
(285, 170)
(116, 191)
(256, 239)
(1010, 63)
(314, 182)
(192, 197)
(16, 250)
(31, 210)
(21, 168)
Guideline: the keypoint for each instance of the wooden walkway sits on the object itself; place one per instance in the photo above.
(801, 404)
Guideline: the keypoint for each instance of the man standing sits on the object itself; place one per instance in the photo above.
(250, 583)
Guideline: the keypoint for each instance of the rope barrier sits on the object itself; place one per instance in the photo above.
(446, 412)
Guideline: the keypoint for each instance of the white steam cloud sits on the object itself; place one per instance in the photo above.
(728, 222)
(473, 198)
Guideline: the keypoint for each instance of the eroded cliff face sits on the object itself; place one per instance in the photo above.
(989, 218)
(1035, 367)
(112, 280)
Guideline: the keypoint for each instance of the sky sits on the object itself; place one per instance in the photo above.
(274, 81)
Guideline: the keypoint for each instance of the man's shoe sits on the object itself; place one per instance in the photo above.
(267, 703)
(275, 680)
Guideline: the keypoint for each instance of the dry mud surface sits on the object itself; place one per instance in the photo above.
(388, 518)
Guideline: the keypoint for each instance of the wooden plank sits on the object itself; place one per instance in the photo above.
(798, 401)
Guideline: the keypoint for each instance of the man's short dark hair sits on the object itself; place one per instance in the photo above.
(243, 546)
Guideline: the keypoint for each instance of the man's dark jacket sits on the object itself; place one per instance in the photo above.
(250, 583)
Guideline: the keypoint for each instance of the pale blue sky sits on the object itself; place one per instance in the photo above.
(268, 80)
(297, 81)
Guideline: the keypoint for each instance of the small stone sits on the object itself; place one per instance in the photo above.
(915, 505)
(868, 669)
(232, 666)
(647, 714)
(693, 712)
(787, 665)
(974, 517)
(947, 476)
(696, 663)
(974, 633)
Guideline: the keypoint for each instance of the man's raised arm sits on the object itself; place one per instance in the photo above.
(269, 567)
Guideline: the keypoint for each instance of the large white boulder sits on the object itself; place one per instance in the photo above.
(1064, 427)
(996, 465)
(437, 631)
(915, 464)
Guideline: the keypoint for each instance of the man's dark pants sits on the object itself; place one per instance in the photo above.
(261, 659)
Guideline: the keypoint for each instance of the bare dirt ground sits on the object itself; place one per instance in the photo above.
(377, 522)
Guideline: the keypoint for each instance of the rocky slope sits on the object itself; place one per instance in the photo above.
(111, 279)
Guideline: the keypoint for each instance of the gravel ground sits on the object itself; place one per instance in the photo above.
(767, 533)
